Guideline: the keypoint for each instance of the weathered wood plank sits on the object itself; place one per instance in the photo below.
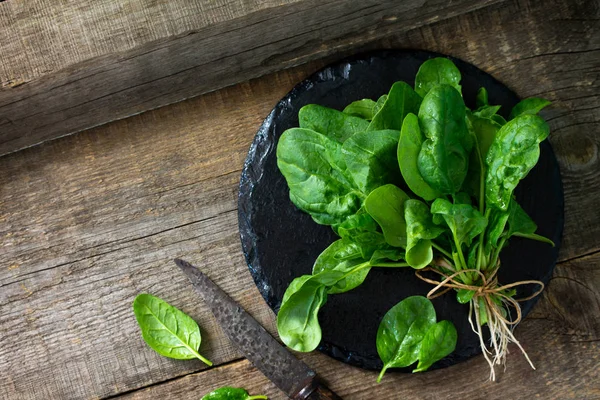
(562, 337)
(89, 221)
(205, 58)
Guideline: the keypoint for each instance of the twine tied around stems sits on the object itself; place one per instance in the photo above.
(488, 288)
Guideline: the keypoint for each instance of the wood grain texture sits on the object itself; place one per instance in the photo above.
(205, 58)
(91, 220)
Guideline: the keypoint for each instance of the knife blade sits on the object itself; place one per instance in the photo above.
(288, 373)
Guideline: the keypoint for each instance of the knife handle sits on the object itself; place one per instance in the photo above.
(316, 391)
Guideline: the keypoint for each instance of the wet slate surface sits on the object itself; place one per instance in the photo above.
(281, 243)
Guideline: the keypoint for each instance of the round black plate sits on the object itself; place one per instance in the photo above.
(281, 243)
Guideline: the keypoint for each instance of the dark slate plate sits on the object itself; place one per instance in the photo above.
(281, 243)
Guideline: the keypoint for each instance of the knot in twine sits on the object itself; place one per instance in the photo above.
(486, 290)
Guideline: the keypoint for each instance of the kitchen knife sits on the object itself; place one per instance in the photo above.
(288, 373)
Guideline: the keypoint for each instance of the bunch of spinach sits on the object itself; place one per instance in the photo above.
(413, 179)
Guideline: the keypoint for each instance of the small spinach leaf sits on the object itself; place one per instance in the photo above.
(434, 72)
(409, 147)
(342, 255)
(332, 123)
(297, 319)
(482, 98)
(532, 105)
(386, 205)
(231, 393)
(167, 330)
(402, 330)
(439, 341)
(464, 221)
(400, 101)
(444, 156)
(521, 224)
(361, 108)
(513, 153)
(420, 231)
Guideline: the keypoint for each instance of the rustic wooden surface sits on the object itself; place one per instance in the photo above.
(229, 43)
(91, 220)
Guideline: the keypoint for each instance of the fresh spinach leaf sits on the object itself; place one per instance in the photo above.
(364, 108)
(342, 255)
(532, 105)
(439, 341)
(513, 153)
(334, 124)
(434, 72)
(315, 171)
(380, 102)
(409, 147)
(386, 206)
(400, 101)
(420, 231)
(231, 393)
(521, 224)
(464, 221)
(486, 111)
(402, 330)
(370, 158)
(444, 157)
(481, 100)
(297, 319)
(167, 330)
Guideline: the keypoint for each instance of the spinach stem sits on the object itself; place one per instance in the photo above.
(440, 249)
(391, 265)
(498, 250)
(461, 256)
(261, 397)
(481, 237)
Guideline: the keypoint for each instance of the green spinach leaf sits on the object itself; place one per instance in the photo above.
(167, 330)
(439, 341)
(297, 319)
(364, 108)
(315, 171)
(513, 153)
(386, 205)
(464, 221)
(481, 100)
(420, 231)
(402, 330)
(400, 101)
(521, 224)
(370, 158)
(231, 393)
(532, 105)
(334, 124)
(434, 72)
(444, 157)
(409, 146)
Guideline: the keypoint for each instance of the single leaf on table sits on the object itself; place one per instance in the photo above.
(401, 331)
(444, 157)
(370, 158)
(167, 330)
(364, 108)
(464, 221)
(315, 171)
(231, 393)
(400, 101)
(409, 147)
(332, 123)
(439, 341)
(297, 319)
(513, 153)
(420, 230)
(435, 72)
(532, 105)
(386, 205)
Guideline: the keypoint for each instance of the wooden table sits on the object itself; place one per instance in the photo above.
(90, 220)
